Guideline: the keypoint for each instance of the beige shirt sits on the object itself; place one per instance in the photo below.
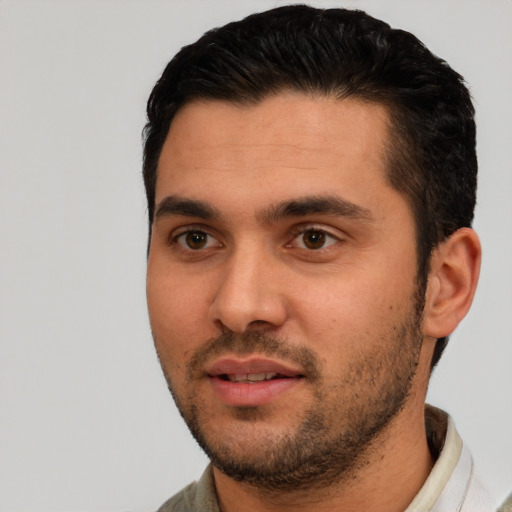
(450, 487)
(507, 505)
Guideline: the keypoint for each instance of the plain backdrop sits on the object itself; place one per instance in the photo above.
(86, 421)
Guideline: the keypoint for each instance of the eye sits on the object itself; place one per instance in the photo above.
(314, 239)
(196, 240)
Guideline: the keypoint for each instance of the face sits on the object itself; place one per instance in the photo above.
(282, 285)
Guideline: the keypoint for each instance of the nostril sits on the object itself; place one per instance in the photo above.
(258, 323)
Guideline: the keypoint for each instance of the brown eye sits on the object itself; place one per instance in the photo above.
(314, 239)
(196, 240)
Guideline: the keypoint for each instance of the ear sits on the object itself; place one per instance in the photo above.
(455, 267)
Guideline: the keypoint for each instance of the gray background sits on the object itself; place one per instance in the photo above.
(86, 422)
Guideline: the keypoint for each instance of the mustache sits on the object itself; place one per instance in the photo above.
(253, 343)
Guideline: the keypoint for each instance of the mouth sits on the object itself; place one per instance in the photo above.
(252, 382)
(253, 377)
(254, 369)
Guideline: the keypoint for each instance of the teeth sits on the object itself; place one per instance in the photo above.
(251, 377)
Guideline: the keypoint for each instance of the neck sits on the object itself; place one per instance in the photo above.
(377, 484)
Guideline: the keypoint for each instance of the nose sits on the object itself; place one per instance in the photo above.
(249, 295)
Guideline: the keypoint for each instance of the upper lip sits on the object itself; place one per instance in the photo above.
(235, 366)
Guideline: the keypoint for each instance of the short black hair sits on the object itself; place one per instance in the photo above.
(340, 53)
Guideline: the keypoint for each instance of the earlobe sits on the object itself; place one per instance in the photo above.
(455, 267)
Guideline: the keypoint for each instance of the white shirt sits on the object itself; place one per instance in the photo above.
(452, 485)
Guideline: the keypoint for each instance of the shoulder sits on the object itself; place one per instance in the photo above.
(197, 497)
(507, 505)
(183, 501)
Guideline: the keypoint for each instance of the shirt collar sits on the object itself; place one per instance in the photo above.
(450, 475)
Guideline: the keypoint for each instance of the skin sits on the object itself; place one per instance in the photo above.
(224, 258)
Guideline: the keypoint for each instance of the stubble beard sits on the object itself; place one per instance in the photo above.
(334, 436)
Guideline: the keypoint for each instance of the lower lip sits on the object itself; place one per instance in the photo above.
(254, 394)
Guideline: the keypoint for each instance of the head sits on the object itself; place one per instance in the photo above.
(301, 167)
(340, 54)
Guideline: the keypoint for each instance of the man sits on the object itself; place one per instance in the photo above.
(311, 182)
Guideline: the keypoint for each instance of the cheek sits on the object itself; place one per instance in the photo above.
(175, 312)
(347, 311)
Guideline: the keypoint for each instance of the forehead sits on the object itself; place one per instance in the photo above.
(286, 144)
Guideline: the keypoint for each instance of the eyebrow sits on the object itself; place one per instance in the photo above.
(175, 205)
(316, 205)
(300, 207)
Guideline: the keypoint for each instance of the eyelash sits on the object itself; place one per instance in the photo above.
(175, 239)
(302, 230)
(325, 237)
